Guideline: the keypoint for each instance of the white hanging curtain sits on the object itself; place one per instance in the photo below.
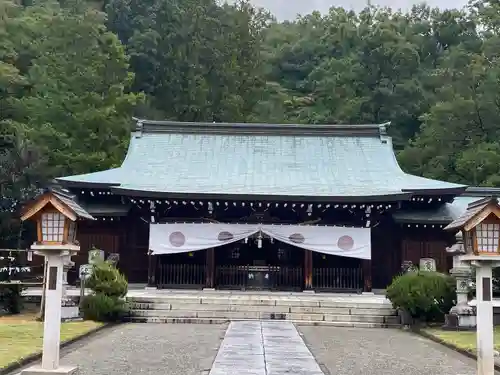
(182, 238)
(340, 241)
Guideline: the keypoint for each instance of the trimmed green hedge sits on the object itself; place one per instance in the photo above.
(425, 295)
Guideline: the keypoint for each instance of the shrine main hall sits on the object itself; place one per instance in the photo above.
(264, 206)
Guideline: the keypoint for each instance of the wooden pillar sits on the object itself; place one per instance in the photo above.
(308, 269)
(367, 275)
(210, 268)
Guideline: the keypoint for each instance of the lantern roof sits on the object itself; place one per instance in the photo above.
(476, 212)
(61, 200)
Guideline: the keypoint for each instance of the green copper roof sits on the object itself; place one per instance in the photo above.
(172, 159)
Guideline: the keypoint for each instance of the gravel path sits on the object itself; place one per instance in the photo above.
(149, 349)
(382, 352)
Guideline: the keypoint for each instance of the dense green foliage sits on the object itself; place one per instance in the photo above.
(103, 308)
(424, 295)
(109, 287)
(107, 279)
(72, 74)
(11, 300)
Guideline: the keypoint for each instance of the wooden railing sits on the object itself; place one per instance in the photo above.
(231, 277)
(289, 278)
(181, 276)
(338, 279)
(259, 277)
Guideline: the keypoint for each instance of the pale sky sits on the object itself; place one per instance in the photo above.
(288, 9)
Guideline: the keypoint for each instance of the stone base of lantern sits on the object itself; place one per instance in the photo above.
(462, 317)
(62, 370)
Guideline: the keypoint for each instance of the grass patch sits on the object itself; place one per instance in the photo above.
(461, 339)
(21, 335)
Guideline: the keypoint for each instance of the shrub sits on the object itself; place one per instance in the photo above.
(11, 299)
(106, 279)
(109, 287)
(424, 295)
(103, 308)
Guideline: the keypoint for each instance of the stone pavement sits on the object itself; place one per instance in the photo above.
(368, 351)
(147, 349)
(261, 348)
(264, 348)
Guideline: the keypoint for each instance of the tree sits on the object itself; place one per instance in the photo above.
(196, 60)
(65, 76)
(458, 139)
(76, 77)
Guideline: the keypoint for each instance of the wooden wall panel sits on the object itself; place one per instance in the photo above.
(386, 254)
(128, 237)
(135, 255)
(393, 244)
(106, 236)
(426, 243)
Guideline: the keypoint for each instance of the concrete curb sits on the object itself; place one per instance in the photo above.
(38, 355)
(465, 352)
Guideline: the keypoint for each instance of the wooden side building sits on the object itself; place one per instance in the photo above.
(279, 182)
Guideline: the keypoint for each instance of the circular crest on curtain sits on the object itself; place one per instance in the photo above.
(225, 236)
(345, 243)
(297, 238)
(177, 239)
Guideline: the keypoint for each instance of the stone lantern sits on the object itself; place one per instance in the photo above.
(480, 228)
(55, 214)
(461, 316)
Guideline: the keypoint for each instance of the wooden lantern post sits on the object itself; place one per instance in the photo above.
(55, 214)
(480, 226)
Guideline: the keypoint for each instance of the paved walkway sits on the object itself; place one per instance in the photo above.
(258, 348)
(264, 348)
(365, 351)
(147, 349)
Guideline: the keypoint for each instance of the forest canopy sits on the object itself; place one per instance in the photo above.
(74, 72)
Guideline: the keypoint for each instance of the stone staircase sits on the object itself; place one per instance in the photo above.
(302, 308)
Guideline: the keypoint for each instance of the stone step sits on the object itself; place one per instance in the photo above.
(264, 308)
(169, 320)
(263, 315)
(291, 302)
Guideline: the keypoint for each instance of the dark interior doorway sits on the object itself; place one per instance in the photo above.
(272, 266)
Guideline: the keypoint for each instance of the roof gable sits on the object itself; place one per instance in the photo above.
(262, 160)
(476, 212)
(61, 201)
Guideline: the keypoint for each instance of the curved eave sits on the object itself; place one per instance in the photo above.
(404, 195)
(459, 190)
(85, 184)
(389, 197)
(410, 220)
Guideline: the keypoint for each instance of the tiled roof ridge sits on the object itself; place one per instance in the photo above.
(144, 126)
(481, 202)
(481, 191)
